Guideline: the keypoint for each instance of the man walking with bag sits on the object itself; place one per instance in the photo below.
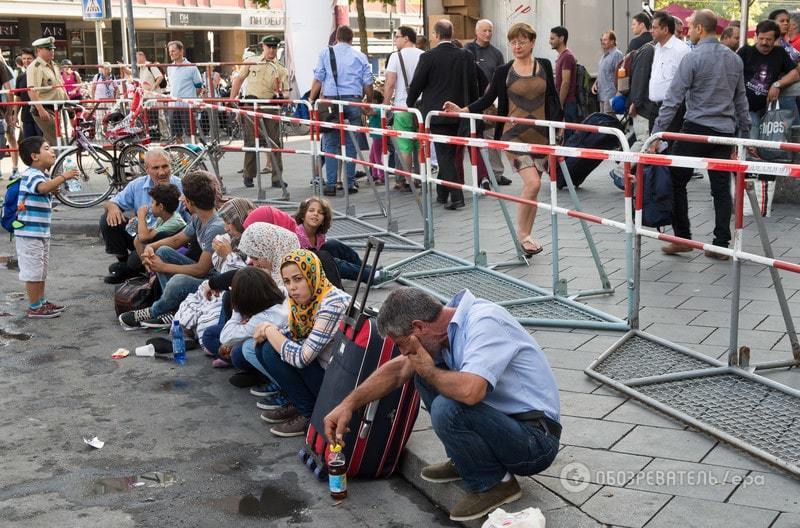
(399, 73)
(342, 72)
(710, 82)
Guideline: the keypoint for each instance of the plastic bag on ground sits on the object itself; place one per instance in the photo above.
(527, 518)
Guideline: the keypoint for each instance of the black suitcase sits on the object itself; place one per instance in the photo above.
(379, 432)
(580, 168)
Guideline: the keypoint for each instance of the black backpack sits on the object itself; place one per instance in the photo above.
(583, 91)
(657, 206)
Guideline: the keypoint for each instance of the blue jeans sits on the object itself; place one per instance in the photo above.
(347, 260)
(570, 116)
(175, 288)
(301, 385)
(331, 145)
(484, 443)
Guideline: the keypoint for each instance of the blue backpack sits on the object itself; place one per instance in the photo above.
(10, 206)
(657, 206)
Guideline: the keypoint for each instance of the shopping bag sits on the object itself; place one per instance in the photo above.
(765, 193)
(776, 125)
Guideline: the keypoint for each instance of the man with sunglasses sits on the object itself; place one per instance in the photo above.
(266, 79)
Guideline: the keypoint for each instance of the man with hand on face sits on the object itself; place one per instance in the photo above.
(488, 387)
(135, 195)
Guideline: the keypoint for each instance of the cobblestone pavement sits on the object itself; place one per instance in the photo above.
(644, 469)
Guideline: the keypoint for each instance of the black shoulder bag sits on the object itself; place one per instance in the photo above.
(328, 112)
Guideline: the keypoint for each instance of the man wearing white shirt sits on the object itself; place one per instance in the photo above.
(398, 77)
(669, 51)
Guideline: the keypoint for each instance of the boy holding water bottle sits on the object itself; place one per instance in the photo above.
(33, 232)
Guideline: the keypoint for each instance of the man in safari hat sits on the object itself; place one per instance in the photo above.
(44, 81)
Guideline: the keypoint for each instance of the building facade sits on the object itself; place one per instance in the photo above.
(235, 25)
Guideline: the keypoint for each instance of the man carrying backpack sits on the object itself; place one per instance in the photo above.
(566, 73)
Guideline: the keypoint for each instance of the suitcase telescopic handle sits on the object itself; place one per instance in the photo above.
(352, 314)
(369, 417)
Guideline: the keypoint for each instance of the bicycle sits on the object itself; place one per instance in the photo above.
(190, 157)
(102, 173)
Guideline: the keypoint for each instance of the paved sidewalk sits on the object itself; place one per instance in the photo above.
(644, 469)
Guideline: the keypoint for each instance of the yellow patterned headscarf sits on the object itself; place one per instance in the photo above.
(302, 316)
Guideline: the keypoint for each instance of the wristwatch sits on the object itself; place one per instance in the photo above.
(776, 84)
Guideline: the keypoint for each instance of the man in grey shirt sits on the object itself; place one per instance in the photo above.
(711, 82)
(605, 86)
(488, 58)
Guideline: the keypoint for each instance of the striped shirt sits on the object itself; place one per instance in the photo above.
(35, 209)
(319, 343)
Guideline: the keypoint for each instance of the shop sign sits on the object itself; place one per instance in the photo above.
(54, 29)
(202, 20)
(265, 19)
(9, 30)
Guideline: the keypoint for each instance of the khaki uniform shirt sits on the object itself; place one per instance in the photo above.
(47, 76)
(261, 77)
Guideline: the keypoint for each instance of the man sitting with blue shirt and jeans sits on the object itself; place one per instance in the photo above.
(488, 387)
(136, 194)
(179, 275)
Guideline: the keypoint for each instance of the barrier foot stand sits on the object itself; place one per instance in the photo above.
(359, 156)
(605, 284)
(418, 194)
(507, 217)
(776, 278)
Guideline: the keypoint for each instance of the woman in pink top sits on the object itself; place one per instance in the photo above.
(71, 80)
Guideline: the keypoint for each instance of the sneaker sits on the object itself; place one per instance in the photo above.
(14, 174)
(42, 312)
(476, 505)
(486, 185)
(439, 473)
(162, 321)
(275, 401)
(267, 389)
(55, 307)
(132, 320)
(617, 179)
(281, 414)
(295, 426)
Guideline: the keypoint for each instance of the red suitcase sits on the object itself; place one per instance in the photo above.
(379, 432)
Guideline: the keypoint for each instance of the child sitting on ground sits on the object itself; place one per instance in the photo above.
(164, 207)
(255, 299)
(34, 214)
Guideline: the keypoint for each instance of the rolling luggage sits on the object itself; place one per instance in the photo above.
(379, 432)
(580, 168)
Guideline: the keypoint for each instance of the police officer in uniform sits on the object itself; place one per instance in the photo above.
(266, 79)
(44, 77)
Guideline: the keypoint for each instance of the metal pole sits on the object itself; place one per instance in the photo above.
(745, 11)
(98, 32)
(131, 34)
(124, 27)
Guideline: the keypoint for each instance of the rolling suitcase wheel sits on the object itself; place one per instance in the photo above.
(302, 455)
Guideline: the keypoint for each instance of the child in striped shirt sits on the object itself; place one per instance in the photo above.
(34, 210)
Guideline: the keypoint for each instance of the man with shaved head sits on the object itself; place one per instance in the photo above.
(711, 82)
(488, 58)
(122, 208)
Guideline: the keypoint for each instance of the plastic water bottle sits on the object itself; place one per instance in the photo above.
(337, 473)
(133, 226)
(73, 185)
(178, 343)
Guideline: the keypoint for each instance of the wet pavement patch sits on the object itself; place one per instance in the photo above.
(7, 336)
(279, 499)
(154, 479)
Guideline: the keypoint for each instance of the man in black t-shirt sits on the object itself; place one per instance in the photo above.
(767, 69)
(640, 27)
(28, 126)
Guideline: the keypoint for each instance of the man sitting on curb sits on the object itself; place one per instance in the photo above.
(135, 195)
(178, 274)
(488, 387)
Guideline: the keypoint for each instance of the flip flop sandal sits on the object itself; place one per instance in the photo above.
(531, 252)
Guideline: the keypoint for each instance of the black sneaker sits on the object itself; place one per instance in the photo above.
(329, 191)
(162, 321)
(133, 320)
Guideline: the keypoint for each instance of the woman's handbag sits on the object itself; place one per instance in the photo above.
(135, 293)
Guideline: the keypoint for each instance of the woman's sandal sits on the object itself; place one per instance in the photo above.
(537, 248)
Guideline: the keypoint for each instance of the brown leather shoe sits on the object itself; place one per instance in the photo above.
(674, 249)
(476, 505)
(718, 256)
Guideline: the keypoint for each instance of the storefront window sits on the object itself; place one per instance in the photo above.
(154, 45)
(83, 48)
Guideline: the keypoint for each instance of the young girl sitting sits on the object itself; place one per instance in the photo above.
(296, 356)
(255, 299)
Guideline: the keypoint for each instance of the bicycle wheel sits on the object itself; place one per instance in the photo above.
(185, 159)
(130, 163)
(97, 176)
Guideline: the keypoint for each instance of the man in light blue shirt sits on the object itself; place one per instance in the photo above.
(351, 82)
(490, 392)
(605, 86)
(184, 82)
(113, 222)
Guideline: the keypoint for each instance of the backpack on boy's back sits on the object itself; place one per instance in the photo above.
(378, 433)
(9, 220)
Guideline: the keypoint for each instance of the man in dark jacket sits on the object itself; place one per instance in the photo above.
(445, 73)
